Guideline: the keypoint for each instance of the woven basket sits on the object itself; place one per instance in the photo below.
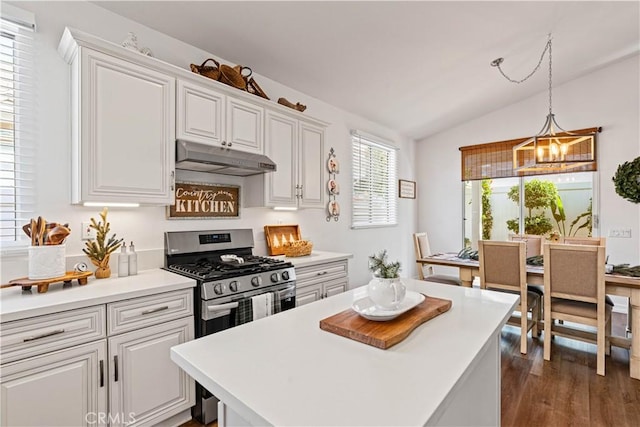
(235, 76)
(207, 70)
(297, 248)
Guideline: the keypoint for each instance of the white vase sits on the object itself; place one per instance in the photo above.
(386, 293)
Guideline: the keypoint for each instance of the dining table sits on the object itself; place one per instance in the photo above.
(615, 284)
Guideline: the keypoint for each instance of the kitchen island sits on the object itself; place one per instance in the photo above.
(284, 370)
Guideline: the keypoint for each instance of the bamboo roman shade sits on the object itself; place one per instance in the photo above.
(495, 160)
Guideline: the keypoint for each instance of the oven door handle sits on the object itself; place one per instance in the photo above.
(221, 307)
(290, 291)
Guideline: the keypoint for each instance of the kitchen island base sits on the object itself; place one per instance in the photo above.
(446, 372)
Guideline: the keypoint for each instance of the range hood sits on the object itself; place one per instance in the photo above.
(206, 158)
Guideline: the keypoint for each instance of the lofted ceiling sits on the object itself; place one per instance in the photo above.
(418, 67)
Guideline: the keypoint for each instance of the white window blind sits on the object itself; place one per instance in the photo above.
(16, 124)
(374, 182)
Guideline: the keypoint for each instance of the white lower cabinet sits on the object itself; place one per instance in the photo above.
(62, 388)
(98, 365)
(319, 281)
(145, 385)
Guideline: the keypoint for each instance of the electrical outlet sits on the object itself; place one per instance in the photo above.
(88, 233)
(624, 233)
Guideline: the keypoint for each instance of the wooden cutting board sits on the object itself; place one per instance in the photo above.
(383, 335)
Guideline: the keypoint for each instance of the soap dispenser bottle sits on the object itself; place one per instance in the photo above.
(133, 260)
(123, 262)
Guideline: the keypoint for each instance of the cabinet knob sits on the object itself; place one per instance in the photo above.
(224, 142)
(229, 144)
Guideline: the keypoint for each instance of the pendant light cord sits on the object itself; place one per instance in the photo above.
(498, 61)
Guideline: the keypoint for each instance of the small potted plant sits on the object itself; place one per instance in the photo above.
(99, 251)
(386, 289)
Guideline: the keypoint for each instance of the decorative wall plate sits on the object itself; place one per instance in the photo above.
(334, 208)
(333, 165)
(333, 187)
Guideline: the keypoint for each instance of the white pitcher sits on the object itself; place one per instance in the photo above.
(386, 293)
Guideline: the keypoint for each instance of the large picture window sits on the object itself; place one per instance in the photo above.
(499, 201)
(374, 182)
(16, 124)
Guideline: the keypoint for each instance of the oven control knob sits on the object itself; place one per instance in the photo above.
(274, 277)
(217, 288)
(256, 281)
(285, 275)
(233, 286)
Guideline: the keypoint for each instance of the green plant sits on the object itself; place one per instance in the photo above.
(487, 215)
(538, 195)
(557, 211)
(379, 266)
(627, 180)
(588, 218)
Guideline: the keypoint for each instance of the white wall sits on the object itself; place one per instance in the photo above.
(145, 226)
(608, 97)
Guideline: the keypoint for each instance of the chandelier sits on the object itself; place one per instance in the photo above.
(553, 148)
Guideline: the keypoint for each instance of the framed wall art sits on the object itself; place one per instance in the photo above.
(406, 189)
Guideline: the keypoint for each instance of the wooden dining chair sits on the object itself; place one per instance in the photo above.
(574, 291)
(534, 242)
(594, 241)
(422, 249)
(503, 268)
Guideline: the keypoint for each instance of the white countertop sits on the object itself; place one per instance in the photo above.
(316, 257)
(16, 304)
(284, 370)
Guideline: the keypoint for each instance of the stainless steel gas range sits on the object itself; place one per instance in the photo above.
(230, 279)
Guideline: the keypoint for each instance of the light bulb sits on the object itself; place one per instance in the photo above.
(553, 149)
(564, 148)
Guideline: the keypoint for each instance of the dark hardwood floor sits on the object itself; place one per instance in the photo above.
(565, 391)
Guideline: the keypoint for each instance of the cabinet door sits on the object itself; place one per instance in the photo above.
(308, 294)
(63, 388)
(245, 126)
(143, 379)
(321, 272)
(200, 114)
(127, 132)
(311, 166)
(335, 287)
(281, 146)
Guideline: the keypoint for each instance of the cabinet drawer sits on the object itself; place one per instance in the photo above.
(42, 334)
(137, 313)
(320, 272)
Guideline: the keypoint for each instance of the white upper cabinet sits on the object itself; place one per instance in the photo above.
(200, 114)
(210, 117)
(297, 148)
(281, 187)
(311, 166)
(123, 128)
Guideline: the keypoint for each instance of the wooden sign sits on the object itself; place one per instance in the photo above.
(205, 201)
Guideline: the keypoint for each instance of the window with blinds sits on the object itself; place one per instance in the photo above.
(495, 160)
(374, 182)
(16, 124)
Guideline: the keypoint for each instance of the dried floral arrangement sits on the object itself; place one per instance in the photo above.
(99, 250)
